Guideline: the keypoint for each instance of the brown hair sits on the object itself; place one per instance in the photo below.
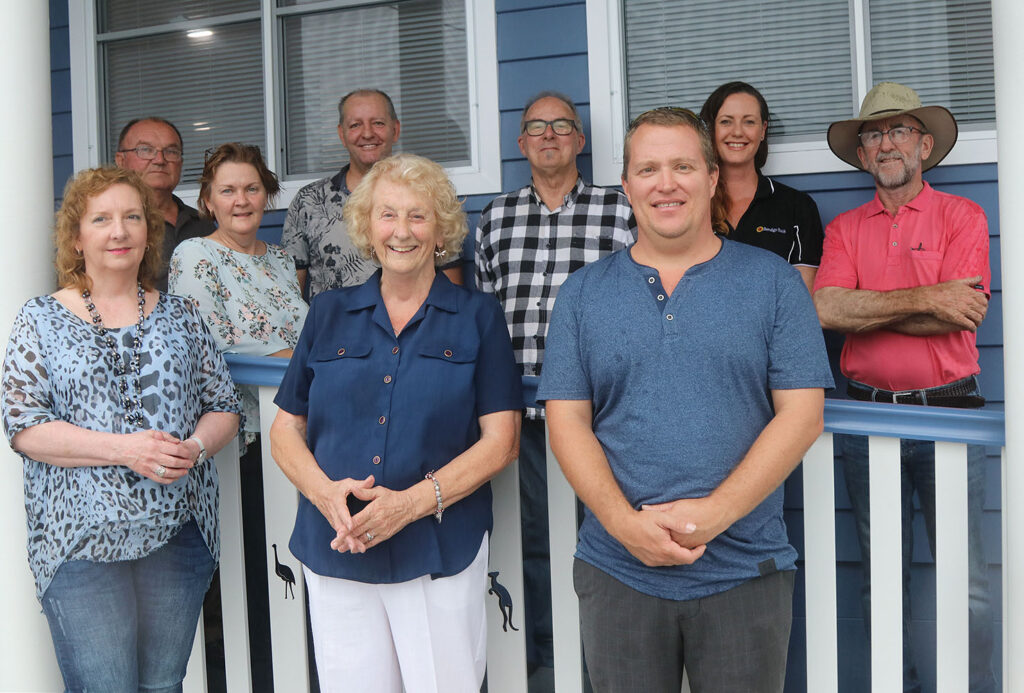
(86, 185)
(425, 178)
(709, 113)
(237, 153)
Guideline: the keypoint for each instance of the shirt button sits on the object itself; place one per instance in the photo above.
(447, 353)
(670, 317)
(381, 420)
(394, 350)
(387, 379)
(661, 297)
(341, 351)
(650, 280)
(895, 243)
(376, 459)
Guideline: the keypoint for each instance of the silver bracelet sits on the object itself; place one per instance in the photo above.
(437, 494)
(202, 449)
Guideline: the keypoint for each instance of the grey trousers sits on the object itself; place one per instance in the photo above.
(736, 640)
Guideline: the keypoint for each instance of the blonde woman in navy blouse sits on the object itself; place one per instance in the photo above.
(401, 400)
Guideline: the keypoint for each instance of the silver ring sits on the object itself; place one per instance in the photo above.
(369, 537)
(161, 471)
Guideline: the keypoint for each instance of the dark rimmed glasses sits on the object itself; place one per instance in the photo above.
(560, 126)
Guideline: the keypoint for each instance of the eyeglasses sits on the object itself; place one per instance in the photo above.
(674, 110)
(897, 135)
(148, 153)
(560, 126)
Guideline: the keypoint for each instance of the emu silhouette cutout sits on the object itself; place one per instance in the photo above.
(504, 601)
(286, 574)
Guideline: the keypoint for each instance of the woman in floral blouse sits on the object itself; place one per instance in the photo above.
(245, 289)
(248, 294)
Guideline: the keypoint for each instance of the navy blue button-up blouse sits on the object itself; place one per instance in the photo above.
(397, 408)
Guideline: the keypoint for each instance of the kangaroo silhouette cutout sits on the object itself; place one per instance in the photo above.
(504, 601)
(286, 574)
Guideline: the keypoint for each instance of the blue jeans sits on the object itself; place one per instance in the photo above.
(129, 626)
(918, 473)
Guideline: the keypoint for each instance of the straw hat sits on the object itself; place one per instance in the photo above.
(885, 100)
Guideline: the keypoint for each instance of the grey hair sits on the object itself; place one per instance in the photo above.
(552, 95)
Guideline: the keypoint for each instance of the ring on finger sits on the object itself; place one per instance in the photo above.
(369, 536)
(161, 471)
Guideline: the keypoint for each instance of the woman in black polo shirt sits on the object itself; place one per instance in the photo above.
(758, 210)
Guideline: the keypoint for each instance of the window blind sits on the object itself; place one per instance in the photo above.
(798, 54)
(123, 15)
(414, 51)
(211, 88)
(941, 49)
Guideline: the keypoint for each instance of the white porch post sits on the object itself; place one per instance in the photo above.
(26, 269)
(1007, 18)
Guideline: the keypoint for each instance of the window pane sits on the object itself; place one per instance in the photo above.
(118, 15)
(941, 49)
(796, 53)
(211, 88)
(415, 51)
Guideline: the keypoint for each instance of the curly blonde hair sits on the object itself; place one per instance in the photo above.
(86, 185)
(425, 178)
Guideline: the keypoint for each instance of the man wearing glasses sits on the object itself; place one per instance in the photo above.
(527, 243)
(684, 381)
(906, 277)
(152, 147)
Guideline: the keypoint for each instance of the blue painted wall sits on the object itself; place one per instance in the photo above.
(543, 45)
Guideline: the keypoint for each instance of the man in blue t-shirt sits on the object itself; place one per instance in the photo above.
(684, 381)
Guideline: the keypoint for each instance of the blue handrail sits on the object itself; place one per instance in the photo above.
(976, 426)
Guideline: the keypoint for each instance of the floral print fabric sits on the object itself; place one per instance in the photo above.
(251, 303)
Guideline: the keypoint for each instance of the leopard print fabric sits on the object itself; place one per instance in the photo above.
(58, 368)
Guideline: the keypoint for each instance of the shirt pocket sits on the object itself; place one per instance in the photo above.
(445, 383)
(450, 351)
(927, 266)
(342, 370)
(338, 351)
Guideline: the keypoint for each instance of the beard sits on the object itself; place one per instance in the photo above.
(890, 179)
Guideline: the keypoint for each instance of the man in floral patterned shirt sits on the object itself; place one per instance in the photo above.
(314, 232)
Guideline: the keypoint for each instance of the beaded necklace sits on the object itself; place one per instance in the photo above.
(132, 404)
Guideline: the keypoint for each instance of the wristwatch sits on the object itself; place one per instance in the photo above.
(202, 449)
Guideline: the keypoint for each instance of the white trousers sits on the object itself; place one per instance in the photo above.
(421, 636)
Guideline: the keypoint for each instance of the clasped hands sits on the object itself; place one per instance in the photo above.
(158, 455)
(672, 533)
(386, 513)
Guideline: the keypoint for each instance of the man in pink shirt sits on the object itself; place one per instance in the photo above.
(906, 277)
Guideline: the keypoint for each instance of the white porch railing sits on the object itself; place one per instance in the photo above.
(506, 650)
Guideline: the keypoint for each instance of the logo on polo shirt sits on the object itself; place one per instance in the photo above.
(770, 229)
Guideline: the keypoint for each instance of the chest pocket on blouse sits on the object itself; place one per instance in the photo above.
(335, 352)
(445, 383)
(343, 368)
(450, 352)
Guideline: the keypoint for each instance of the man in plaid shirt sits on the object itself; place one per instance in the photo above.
(527, 243)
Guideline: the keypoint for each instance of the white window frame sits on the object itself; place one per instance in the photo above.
(481, 176)
(608, 104)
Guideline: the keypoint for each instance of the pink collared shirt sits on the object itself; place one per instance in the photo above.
(933, 238)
